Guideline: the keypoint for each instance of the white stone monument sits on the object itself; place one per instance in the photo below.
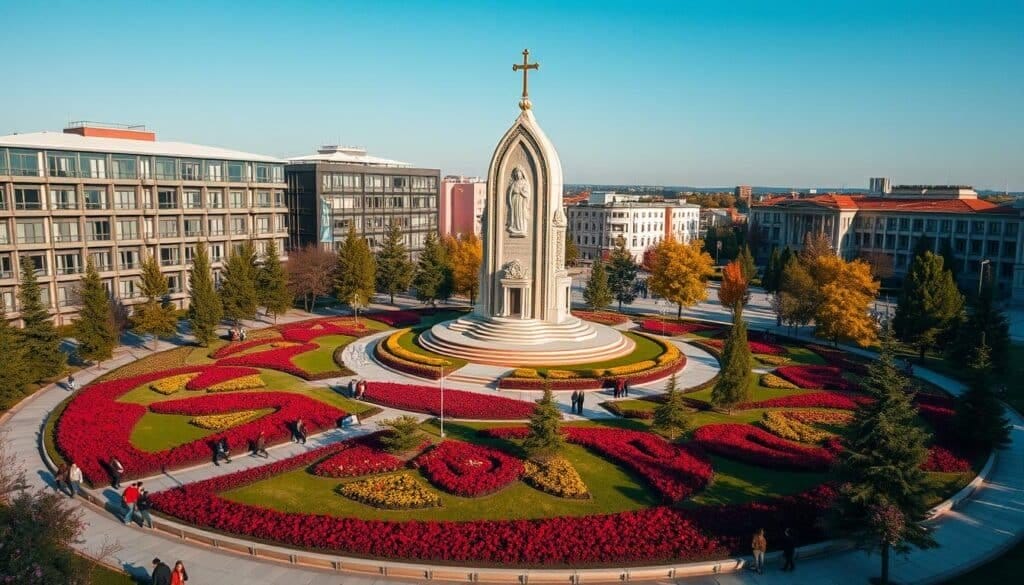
(523, 313)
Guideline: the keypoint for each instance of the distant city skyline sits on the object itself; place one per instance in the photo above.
(655, 93)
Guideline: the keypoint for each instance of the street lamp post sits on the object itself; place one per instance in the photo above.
(442, 401)
(981, 272)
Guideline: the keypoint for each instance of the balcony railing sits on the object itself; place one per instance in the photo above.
(69, 270)
(128, 265)
(98, 238)
(64, 205)
(32, 239)
(4, 274)
(169, 262)
(62, 238)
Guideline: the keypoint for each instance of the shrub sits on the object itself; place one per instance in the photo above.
(561, 375)
(402, 434)
(395, 318)
(391, 492)
(525, 373)
(945, 461)
(772, 360)
(630, 368)
(555, 476)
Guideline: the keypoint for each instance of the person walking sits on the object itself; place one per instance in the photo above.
(759, 546)
(575, 399)
(259, 448)
(145, 504)
(579, 403)
(130, 499)
(221, 451)
(625, 388)
(179, 576)
(788, 549)
(300, 432)
(60, 478)
(116, 473)
(161, 573)
(71, 383)
(352, 388)
(75, 480)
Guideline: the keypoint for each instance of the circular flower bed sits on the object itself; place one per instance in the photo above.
(391, 492)
(468, 470)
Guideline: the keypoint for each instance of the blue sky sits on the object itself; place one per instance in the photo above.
(709, 93)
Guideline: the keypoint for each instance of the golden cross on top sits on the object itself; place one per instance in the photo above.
(525, 67)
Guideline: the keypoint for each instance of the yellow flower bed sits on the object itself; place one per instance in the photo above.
(281, 344)
(391, 492)
(770, 380)
(242, 383)
(787, 428)
(171, 385)
(556, 476)
(525, 373)
(772, 360)
(394, 348)
(561, 374)
(671, 354)
(631, 368)
(220, 422)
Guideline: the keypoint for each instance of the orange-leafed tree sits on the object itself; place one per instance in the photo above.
(681, 272)
(734, 291)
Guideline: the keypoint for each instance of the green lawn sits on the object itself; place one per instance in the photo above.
(736, 483)
(321, 360)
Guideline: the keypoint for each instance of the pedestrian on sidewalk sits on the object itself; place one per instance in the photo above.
(60, 478)
(300, 431)
(130, 499)
(161, 573)
(579, 403)
(352, 388)
(116, 473)
(71, 383)
(179, 576)
(625, 387)
(788, 549)
(259, 448)
(221, 451)
(75, 480)
(575, 399)
(145, 504)
(759, 545)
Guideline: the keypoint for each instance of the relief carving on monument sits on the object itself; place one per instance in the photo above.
(518, 204)
(514, 270)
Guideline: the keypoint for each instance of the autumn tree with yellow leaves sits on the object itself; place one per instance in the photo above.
(844, 292)
(680, 272)
(465, 256)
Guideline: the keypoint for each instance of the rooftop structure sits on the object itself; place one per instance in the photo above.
(354, 155)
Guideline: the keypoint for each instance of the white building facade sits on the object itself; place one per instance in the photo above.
(595, 227)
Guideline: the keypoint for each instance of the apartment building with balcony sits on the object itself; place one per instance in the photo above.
(115, 193)
(341, 186)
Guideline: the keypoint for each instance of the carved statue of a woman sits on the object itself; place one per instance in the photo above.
(518, 203)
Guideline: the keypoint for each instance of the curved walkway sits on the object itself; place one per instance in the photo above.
(988, 523)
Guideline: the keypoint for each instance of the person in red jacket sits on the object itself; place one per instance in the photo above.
(130, 499)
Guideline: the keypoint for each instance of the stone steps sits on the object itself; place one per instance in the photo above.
(523, 356)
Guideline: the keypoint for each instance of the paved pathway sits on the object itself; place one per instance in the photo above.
(990, 522)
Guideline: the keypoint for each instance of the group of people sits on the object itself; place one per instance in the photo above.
(69, 479)
(237, 334)
(577, 401)
(164, 575)
(759, 546)
(621, 388)
(136, 499)
(356, 388)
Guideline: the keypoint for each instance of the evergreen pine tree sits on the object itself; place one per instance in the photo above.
(672, 418)
(884, 494)
(433, 278)
(980, 421)
(545, 438)
(770, 280)
(355, 277)
(985, 321)
(733, 385)
(949, 260)
(95, 329)
(155, 316)
(402, 434)
(238, 292)
(39, 336)
(597, 295)
(205, 309)
(747, 265)
(14, 363)
(929, 303)
(394, 268)
(622, 270)
(273, 283)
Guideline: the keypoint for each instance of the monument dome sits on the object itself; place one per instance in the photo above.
(523, 312)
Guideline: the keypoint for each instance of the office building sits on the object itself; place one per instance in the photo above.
(461, 205)
(596, 226)
(744, 193)
(341, 186)
(880, 186)
(114, 194)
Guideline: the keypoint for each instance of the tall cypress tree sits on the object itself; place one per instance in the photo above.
(156, 315)
(395, 269)
(545, 438)
(238, 287)
(747, 265)
(671, 418)
(433, 278)
(204, 309)
(883, 498)
(980, 420)
(770, 280)
(733, 385)
(622, 270)
(14, 363)
(95, 329)
(42, 343)
(355, 277)
(597, 294)
(273, 283)
(985, 321)
(929, 303)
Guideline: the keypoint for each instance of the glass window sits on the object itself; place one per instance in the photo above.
(193, 200)
(63, 198)
(27, 198)
(5, 236)
(168, 255)
(262, 173)
(238, 225)
(168, 228)
(214, 170)
(124, 199)
(128, 229)
(94, 166)
(236, 172)
(263, 199)
(39, 262)
(24, 163)
(65, 231)
(97, 230)
(166, 168)
(144, 168)
(30, 231)
(173, 283)
(127, 288)
(262, 225)
(101, 259)
(95, 198)
(237, 199)
(128, 259)
(123, 167)
(216, 252)
(62, 164)
(215, 199)
(70, 263)
(6, 271)
(167, 198)
(193, 227)
(190, 170)
(216, 225)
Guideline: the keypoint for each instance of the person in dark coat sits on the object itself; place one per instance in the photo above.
(259, 447)
(579, 403)
(221, 451)
(116, 471)
(575, 399)
(788, 549)
(161, 573)
(625, 388)
(300, 432)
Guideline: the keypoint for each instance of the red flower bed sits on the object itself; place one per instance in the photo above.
(761, 347)
(837, 400)
(749, 444)
(468, 470)
(676, 472)
(944, 460)
(659, 327)
(276, 359)
(840, 359)
(817, 378)
(457, 403)
(602, 317)
(360, 456)
(396, 319)
(216, 374)
(95, 412)
(306, 331)
(240, 346)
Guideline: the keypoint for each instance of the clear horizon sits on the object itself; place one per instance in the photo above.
(653, 93)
